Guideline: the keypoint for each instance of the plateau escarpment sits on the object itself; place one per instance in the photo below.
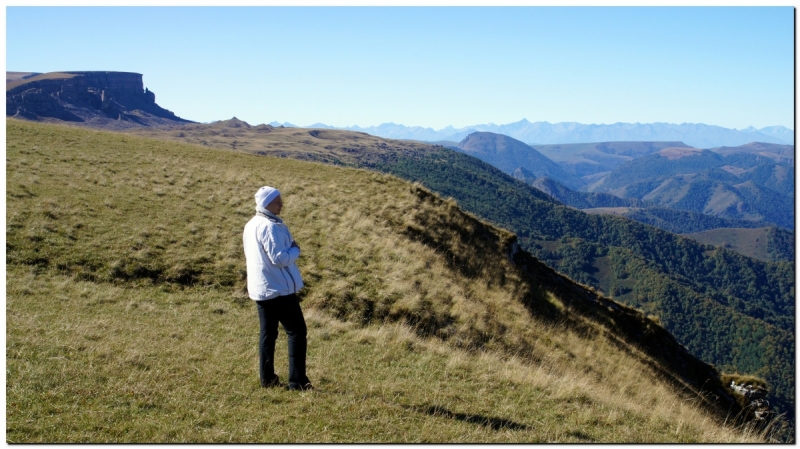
(116, 100)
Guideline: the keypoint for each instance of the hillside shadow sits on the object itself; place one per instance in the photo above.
(493, 423)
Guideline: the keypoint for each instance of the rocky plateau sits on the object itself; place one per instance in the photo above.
(112, 100)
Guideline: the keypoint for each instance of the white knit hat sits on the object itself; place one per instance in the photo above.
(265, 195)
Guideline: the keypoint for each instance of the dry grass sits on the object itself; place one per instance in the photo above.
(321, 145)
(127, 322)
(104, 363)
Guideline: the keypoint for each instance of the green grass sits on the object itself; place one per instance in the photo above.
(127, 319)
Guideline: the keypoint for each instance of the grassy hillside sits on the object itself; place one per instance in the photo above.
(781, 153)
(691, 287)
(320, 145)
(769, 244)
(16, 76)
(586, 159)
(127, 320)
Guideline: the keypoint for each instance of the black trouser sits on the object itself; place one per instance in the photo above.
(286, 310)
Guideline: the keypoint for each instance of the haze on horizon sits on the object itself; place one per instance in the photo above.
(431, 66)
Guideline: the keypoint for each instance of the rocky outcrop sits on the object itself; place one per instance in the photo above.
(106, 99)
(754, 399)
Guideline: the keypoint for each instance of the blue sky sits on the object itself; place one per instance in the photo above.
(431, 67)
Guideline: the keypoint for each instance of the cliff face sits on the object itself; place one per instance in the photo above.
(106, 99)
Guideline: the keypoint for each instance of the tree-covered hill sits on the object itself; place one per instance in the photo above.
(683, 222)
(657, 165)
(508, 154)
(739, 186)
(582, 200)
(672, 220)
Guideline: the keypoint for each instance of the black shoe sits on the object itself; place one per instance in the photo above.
(274, 382)
(299, 387)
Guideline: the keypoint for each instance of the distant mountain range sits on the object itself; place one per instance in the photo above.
(740, 186)
(697, 135)
(650, 212)
(752, 182)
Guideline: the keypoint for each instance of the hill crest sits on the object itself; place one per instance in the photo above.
(673, 153)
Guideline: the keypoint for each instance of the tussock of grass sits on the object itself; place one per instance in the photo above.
(744, 379)
(127, 318)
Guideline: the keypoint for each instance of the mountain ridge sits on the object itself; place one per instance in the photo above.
(589, 159)
(727, 184)
(698, 135)
(672, 220)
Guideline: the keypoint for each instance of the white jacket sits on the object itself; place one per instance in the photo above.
(271, 268)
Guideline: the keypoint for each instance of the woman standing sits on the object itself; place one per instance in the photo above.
(273, 281)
